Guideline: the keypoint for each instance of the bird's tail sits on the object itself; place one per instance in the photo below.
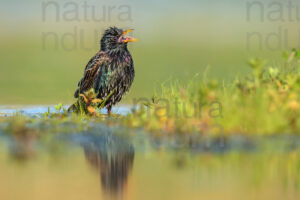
(72, 108)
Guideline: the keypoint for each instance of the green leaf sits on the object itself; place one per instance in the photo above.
(58, 107)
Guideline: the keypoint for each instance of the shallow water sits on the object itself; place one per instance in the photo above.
(118, 163)
(36, 110)
(108, 165)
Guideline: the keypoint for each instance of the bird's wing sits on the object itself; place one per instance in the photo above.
(90, 73)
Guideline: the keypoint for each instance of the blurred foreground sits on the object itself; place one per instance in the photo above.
(115, 163)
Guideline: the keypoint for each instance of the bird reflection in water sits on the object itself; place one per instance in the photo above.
(112, 158)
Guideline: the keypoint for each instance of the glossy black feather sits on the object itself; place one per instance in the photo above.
(110, 70)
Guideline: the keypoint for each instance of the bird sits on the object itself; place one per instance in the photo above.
(111, 71)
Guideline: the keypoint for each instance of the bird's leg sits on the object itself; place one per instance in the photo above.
(109, 111)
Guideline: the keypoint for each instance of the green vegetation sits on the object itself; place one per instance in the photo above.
(265, 102)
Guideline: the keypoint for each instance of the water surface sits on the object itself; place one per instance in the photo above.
(118, 163)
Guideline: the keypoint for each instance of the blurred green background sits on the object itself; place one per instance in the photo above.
(45, 45)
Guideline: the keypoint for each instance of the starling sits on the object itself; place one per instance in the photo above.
(111, 71)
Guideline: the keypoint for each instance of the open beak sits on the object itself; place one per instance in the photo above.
(128, 38)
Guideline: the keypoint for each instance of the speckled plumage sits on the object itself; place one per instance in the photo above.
(111, 70)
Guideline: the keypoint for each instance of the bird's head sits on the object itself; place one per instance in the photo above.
(115, 39)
